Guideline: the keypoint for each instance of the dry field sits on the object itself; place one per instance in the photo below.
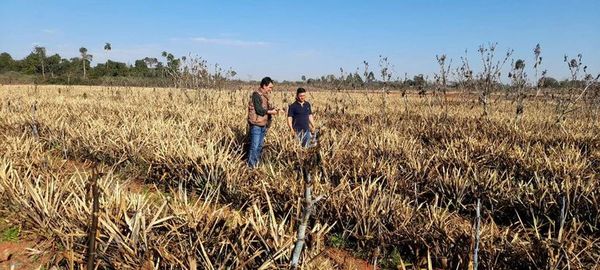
(401, 187)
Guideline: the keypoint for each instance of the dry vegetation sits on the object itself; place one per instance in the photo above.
(401, 187)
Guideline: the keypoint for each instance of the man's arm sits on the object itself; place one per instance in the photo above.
(290, 119)
(260, 110)
(311, 120)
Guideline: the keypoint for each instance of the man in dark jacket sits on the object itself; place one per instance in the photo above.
(260, 111)
(300, 118)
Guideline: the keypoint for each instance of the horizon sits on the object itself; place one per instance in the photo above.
(308, 39)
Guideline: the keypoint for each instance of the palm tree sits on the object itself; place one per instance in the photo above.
(41, 53)
(107, 48)
(85, 57)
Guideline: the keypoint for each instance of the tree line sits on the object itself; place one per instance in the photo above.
(168, 70)
(195, 72)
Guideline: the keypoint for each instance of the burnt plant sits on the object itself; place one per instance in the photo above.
(568, 100)
(488, 79)
(441, 81)
(518, 78)
(540, 77)
(386, 77)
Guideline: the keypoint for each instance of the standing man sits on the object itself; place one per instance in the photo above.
(260, 111)
(300, 118)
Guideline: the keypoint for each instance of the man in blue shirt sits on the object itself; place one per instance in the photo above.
(300, 118)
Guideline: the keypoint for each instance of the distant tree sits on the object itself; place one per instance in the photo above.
(172, 68)
(6, 62)
(40, 52)
(231, 73)
(159, 66)
(63, 68)
(172, 62)
(72, 67)
(303, 78)
(140, 68)
(140, 64)
(548, 82)
(30, 64)
(85, 59)
(153, 66)
(419, 80)
(53, 64)
(107, 48)
(357, 79)
(121, 69)
(370, 77)
(349, 80)
(330, 79)
(150, 62)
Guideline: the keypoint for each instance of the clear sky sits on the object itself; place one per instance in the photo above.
(287, 39)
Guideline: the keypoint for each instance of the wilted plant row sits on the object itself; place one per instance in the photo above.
(164, 230)
(154, 226)
(406, 181)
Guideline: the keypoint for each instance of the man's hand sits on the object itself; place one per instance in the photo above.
(273, 111)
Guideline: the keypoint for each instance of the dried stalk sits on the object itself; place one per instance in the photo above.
(93, 227)
(34, 126)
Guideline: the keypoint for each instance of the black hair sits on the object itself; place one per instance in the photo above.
(265, 81)
(300, 91)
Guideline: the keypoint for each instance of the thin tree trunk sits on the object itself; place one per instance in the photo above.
(34, 127)
(43, 69)
(477, 235)
(562, 219)
(93, 228)
(484, 103)
(106, 65)
(519, 111)
(308, 206)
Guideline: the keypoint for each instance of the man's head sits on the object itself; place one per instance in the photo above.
(266, 85)
(301, 94)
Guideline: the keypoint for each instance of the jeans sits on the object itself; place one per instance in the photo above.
(305, 137)
(257, 139)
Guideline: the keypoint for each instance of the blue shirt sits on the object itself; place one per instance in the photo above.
(299, 114)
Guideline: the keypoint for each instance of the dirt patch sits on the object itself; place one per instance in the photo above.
(22, 255)
(139, 186)
(346, 261)
(71, 166)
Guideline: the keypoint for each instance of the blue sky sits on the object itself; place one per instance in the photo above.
(287, 39)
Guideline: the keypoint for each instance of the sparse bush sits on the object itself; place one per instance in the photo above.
(576, 90)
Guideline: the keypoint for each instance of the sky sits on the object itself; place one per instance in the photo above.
(288, 39)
